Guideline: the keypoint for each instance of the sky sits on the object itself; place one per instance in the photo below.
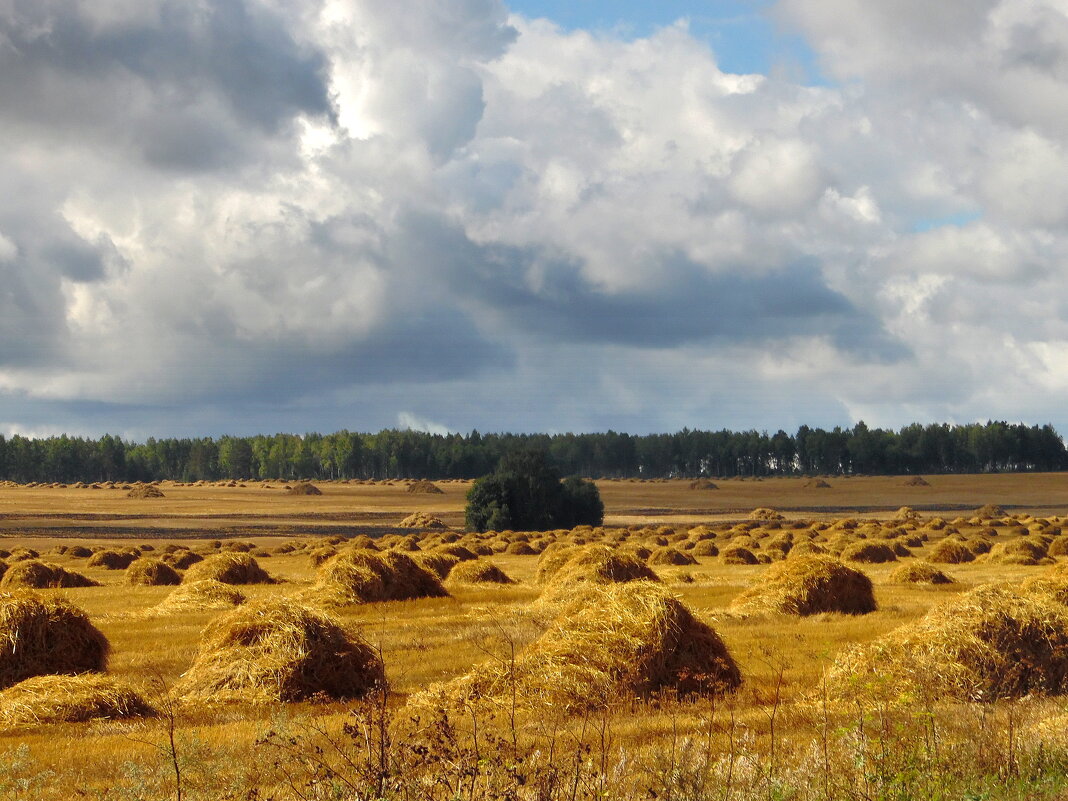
(242, 216)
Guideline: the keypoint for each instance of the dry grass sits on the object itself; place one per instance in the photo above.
(808, 586)
(278, 650)
(70, 699)
(44, 635)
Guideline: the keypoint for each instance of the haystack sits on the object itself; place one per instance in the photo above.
(642, 640)
(702, 484)
(520, 549)
(277, 651)
(919, 572)
(182, 560)
(199, 595)
(303, 488)
(1021, 551)
(318, 556)
(705, 548)
(989, 643)
(478, 571)
(152, 573)
(807, 586)
(44, 635)
(915, 481)
(145, 491)
(229, 568)
(358, 577)
(990, 511)
(38, 575)
(422, 520)
(592, 564)
(670, 556)
(70, 699)
(79, 551)
(438, 563)
(950, 552)
(738, 555)
(426, 487)
(817, 483)
(112, 560)
(459, 551)
(869, 551)
(763, 513)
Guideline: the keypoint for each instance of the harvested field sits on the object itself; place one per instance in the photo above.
(470, 631)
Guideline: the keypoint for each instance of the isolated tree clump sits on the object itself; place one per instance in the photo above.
(526, 494)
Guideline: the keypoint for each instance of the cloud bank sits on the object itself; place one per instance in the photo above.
(243, 215)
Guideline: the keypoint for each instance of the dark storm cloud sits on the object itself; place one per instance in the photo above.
(187, 86)
(547, 295)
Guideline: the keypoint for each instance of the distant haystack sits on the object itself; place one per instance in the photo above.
(70, 699)
(807, 586)
(763, 513)
(990, 511)
(280, 651)
(950, 552)
(422, 520)
(425, 487)
(916, 481)
(112, 560)
(145, 491)
(817, 483)
(303, 488)
(44, 635)
(702, 484)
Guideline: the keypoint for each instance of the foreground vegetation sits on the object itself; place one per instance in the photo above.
(793, 729)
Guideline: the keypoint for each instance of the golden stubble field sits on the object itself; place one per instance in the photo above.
(772, 738)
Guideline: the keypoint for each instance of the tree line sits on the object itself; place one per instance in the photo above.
(935, 448)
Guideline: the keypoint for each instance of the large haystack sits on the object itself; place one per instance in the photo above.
(43, 635)
(989, 643)
(38, 575)
(919, 572)
(229, 568)
(70, 699)
(425, 487)
(738, 555)
(361, 576)
(199, 595)
(152, 573)
(280, 651)
(478, 571)
(807, 586)
(640, 641)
